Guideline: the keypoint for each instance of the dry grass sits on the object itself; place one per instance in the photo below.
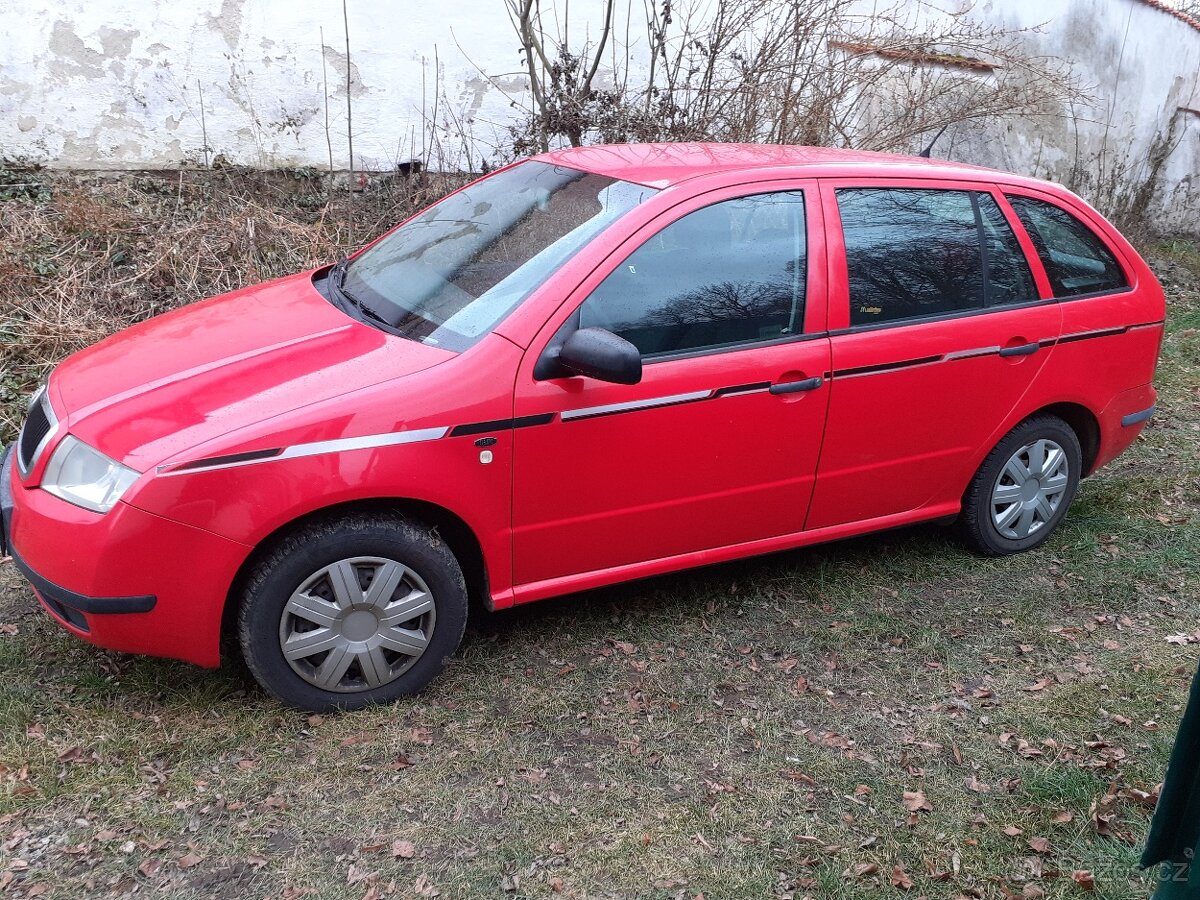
(749, 730)
(103, 253)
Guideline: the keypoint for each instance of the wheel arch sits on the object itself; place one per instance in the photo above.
(457, 534)
(1085, 425)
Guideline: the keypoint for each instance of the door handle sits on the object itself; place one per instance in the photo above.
(1020, 350)
(795, 387)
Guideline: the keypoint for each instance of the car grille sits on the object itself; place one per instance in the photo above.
(37, 426)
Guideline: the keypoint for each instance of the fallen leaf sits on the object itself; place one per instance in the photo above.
(862, 870)
(192, 859)
(901, 879)
(425, 888)
(403, 849)
(1039, 844)
(793, 775)
(1086, 880)
(915, 801)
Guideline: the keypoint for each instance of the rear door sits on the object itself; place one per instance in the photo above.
(718, 444)
(938, 327)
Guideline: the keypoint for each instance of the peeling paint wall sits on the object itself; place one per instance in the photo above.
(118, 83)
(1143, 68)
(153, 83)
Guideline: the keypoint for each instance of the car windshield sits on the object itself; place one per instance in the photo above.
(448, 276)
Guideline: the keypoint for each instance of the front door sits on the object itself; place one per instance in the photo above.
(718, 443)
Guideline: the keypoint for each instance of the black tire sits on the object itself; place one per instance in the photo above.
(976, 524)
(298, 558)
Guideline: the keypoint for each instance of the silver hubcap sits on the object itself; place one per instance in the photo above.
(357, 624)
(1030, 489)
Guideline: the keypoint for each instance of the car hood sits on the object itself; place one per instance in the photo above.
(188, 376)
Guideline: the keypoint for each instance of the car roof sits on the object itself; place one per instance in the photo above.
(663, 165)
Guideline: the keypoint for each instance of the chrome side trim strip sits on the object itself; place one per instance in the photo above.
(1087, 335)
(316, 448)
(588, 412)
(969, 354)
(362, 443)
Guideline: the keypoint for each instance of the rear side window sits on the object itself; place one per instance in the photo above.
(1009, 279)
(1076, 260)
(912, 253)
(726, 275)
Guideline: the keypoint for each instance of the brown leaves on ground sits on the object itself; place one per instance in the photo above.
(901, 879)
(915, 801)
(1039, 845)
(1086, 880)
(1105, 810)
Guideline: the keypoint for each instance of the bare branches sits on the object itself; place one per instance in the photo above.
(561, 81)
(349, 110)
(796, 72)
(325, 90)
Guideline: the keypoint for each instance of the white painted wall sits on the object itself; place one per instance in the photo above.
(117, 84)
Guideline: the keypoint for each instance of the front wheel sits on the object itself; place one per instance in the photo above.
(351, 612)
(1023, 489)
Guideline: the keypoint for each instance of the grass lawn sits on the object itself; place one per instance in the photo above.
(883, 717)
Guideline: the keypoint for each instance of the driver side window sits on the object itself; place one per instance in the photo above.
(728, 274)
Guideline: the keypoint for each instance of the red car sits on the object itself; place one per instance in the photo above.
(590, 366)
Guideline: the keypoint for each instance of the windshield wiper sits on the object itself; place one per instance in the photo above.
(338, 276)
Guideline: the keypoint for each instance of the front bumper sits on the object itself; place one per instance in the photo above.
(127, 580)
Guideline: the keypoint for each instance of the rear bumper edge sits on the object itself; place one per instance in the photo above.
(1134, 418)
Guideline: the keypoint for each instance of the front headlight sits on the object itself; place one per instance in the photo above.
(86, 477)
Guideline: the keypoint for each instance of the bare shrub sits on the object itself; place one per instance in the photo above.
(815, 72)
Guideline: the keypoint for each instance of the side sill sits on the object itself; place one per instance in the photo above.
(567, 584)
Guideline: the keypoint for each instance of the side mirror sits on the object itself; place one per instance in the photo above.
(596, 353)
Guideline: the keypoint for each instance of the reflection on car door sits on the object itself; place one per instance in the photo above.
(943, 329)
(718, 443)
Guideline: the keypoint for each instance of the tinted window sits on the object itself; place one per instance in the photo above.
(910, 253)
(730, 273)
(1009, 278)
(913, 253)
(1076, 260)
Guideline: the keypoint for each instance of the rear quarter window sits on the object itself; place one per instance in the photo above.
(1076, 261)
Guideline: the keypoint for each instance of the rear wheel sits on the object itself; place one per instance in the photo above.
(1023, 489)
(353, 611)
